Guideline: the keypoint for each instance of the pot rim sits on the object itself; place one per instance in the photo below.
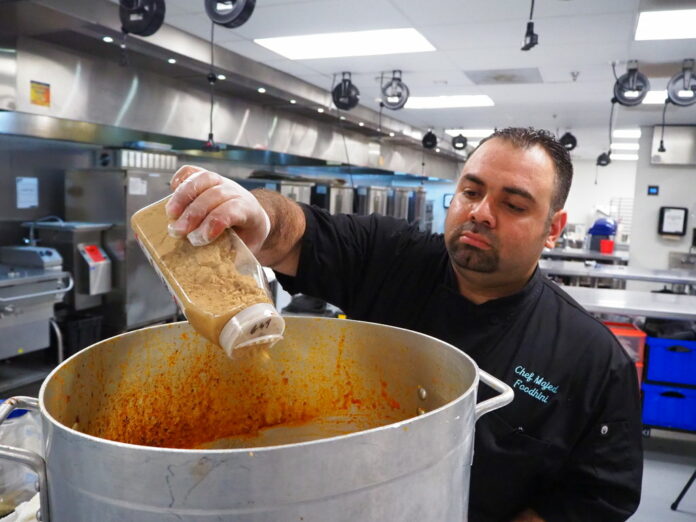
(261, 449)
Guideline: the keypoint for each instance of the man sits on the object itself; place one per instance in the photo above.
(568, 448)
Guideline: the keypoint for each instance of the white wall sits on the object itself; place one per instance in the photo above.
(594, 187)
(678, 189)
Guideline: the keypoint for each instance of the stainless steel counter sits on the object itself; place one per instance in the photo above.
(624, 272)
(618, 257)
(631, 302)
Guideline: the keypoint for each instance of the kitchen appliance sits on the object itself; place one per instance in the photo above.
(416, 208)
(397, 205)
(31, 282)
(372, 200)
(112, 196)
(407, 399)
(81, 246)
(336, 199)
(297, 191)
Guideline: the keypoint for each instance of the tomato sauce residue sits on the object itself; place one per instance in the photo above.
(187, 393)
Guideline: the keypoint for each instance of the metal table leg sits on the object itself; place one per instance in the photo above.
(675, 504)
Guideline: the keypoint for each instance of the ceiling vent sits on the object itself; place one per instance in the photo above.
(505, 76)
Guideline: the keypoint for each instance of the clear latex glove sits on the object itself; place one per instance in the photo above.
(205, 204)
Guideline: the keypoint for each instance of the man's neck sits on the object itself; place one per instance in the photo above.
(480, 288)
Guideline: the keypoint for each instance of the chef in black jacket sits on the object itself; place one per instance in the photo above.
(568, 448)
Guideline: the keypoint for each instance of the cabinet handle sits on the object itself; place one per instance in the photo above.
(679, 349)
(673, 394)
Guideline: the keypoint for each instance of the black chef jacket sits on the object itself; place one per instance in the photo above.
(569, 445)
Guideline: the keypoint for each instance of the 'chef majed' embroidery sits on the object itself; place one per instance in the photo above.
(534, 385)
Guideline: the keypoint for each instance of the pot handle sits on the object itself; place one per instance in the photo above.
(505, 397)
(26, 457)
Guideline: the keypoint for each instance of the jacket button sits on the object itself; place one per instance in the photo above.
(604, 430)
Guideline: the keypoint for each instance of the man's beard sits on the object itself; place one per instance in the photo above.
(471, 257)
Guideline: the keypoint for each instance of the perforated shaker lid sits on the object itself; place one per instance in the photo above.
(257, 324)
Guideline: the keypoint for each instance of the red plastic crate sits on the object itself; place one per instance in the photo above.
(631, 338)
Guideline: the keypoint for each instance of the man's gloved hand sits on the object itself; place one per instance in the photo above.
(205, 204)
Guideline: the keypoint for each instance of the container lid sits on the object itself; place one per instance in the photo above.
(15, 413)
(257, 324)
(603, 227)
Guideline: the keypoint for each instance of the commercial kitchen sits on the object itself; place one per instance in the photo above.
(354, 111)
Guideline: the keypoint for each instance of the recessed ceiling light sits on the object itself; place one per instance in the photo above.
(470, 133)
(293, 102)
(437, 149)
(361, 124)
(356, 43)
(261, 90)
(172, 60)
(666, 25)
(320, 110)
(655, 97)
(108, 39)
(391, 134)
(448, 102)
(626, 133)
(342, 117)
(624, 157)
(624, 146)
(221, 77)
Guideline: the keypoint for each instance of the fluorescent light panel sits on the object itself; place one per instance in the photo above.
(470, 133)
(624, 146)
(355, 43)
(666, 25)
(624, 157)
(449, 102)
(626, 133)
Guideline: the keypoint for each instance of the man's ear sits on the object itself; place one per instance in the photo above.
(558, 223)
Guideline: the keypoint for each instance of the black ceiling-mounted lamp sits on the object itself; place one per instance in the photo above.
(345, 94)
(429, 140)
(395, 92)
(681, 89)
(531, 39)
(631, 88)
(139, 17)
(459, 142)
(568, 141)
(229, 13)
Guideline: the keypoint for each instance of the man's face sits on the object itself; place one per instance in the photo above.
(500, 218)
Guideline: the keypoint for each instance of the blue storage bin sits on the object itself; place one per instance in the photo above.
(671, 361)
(669, 407)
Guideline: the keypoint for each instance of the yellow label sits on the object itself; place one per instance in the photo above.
(21, 350)
(342, 316)
(40, 94)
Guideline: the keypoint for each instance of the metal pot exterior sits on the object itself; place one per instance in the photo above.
(415, 469)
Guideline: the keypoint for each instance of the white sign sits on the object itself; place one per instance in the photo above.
(27, 192)
(137, 186)
(673, 222)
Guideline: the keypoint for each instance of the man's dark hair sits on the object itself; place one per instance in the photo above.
(526, 138)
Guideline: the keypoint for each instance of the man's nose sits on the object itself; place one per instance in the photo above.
(482, 213)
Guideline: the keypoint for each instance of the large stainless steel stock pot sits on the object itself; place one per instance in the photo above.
(340, 421)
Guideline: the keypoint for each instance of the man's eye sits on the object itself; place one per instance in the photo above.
(469, 193)
(515, 208)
